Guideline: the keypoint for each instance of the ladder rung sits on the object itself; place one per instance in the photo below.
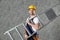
(10, 35)
(19, 33)
(13, 28)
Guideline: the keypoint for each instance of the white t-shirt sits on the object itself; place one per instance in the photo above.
(35, 20)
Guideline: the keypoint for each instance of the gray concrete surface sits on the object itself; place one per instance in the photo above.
(14, 12)
(51, 31)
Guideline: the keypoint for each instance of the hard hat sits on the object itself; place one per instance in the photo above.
(31, 7)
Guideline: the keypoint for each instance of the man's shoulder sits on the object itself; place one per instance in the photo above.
(35, 17)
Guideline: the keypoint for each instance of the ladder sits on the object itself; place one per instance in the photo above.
(15, 28)
(8, 32)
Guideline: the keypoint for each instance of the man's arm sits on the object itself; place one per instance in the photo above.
(36, 23)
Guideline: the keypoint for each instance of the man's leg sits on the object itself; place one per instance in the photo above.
(36, 37)
(25, 35)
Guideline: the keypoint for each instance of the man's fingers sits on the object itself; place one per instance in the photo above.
(26, 36)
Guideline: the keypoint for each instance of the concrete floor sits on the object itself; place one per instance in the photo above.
(51, 31)
(14, 12)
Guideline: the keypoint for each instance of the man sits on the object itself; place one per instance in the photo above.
(33, 21)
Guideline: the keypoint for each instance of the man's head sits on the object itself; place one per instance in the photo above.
(31, 9)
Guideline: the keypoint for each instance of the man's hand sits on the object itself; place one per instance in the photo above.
(26, 37)
(27, 21)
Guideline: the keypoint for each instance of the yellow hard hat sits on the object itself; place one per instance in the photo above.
(31, 7)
